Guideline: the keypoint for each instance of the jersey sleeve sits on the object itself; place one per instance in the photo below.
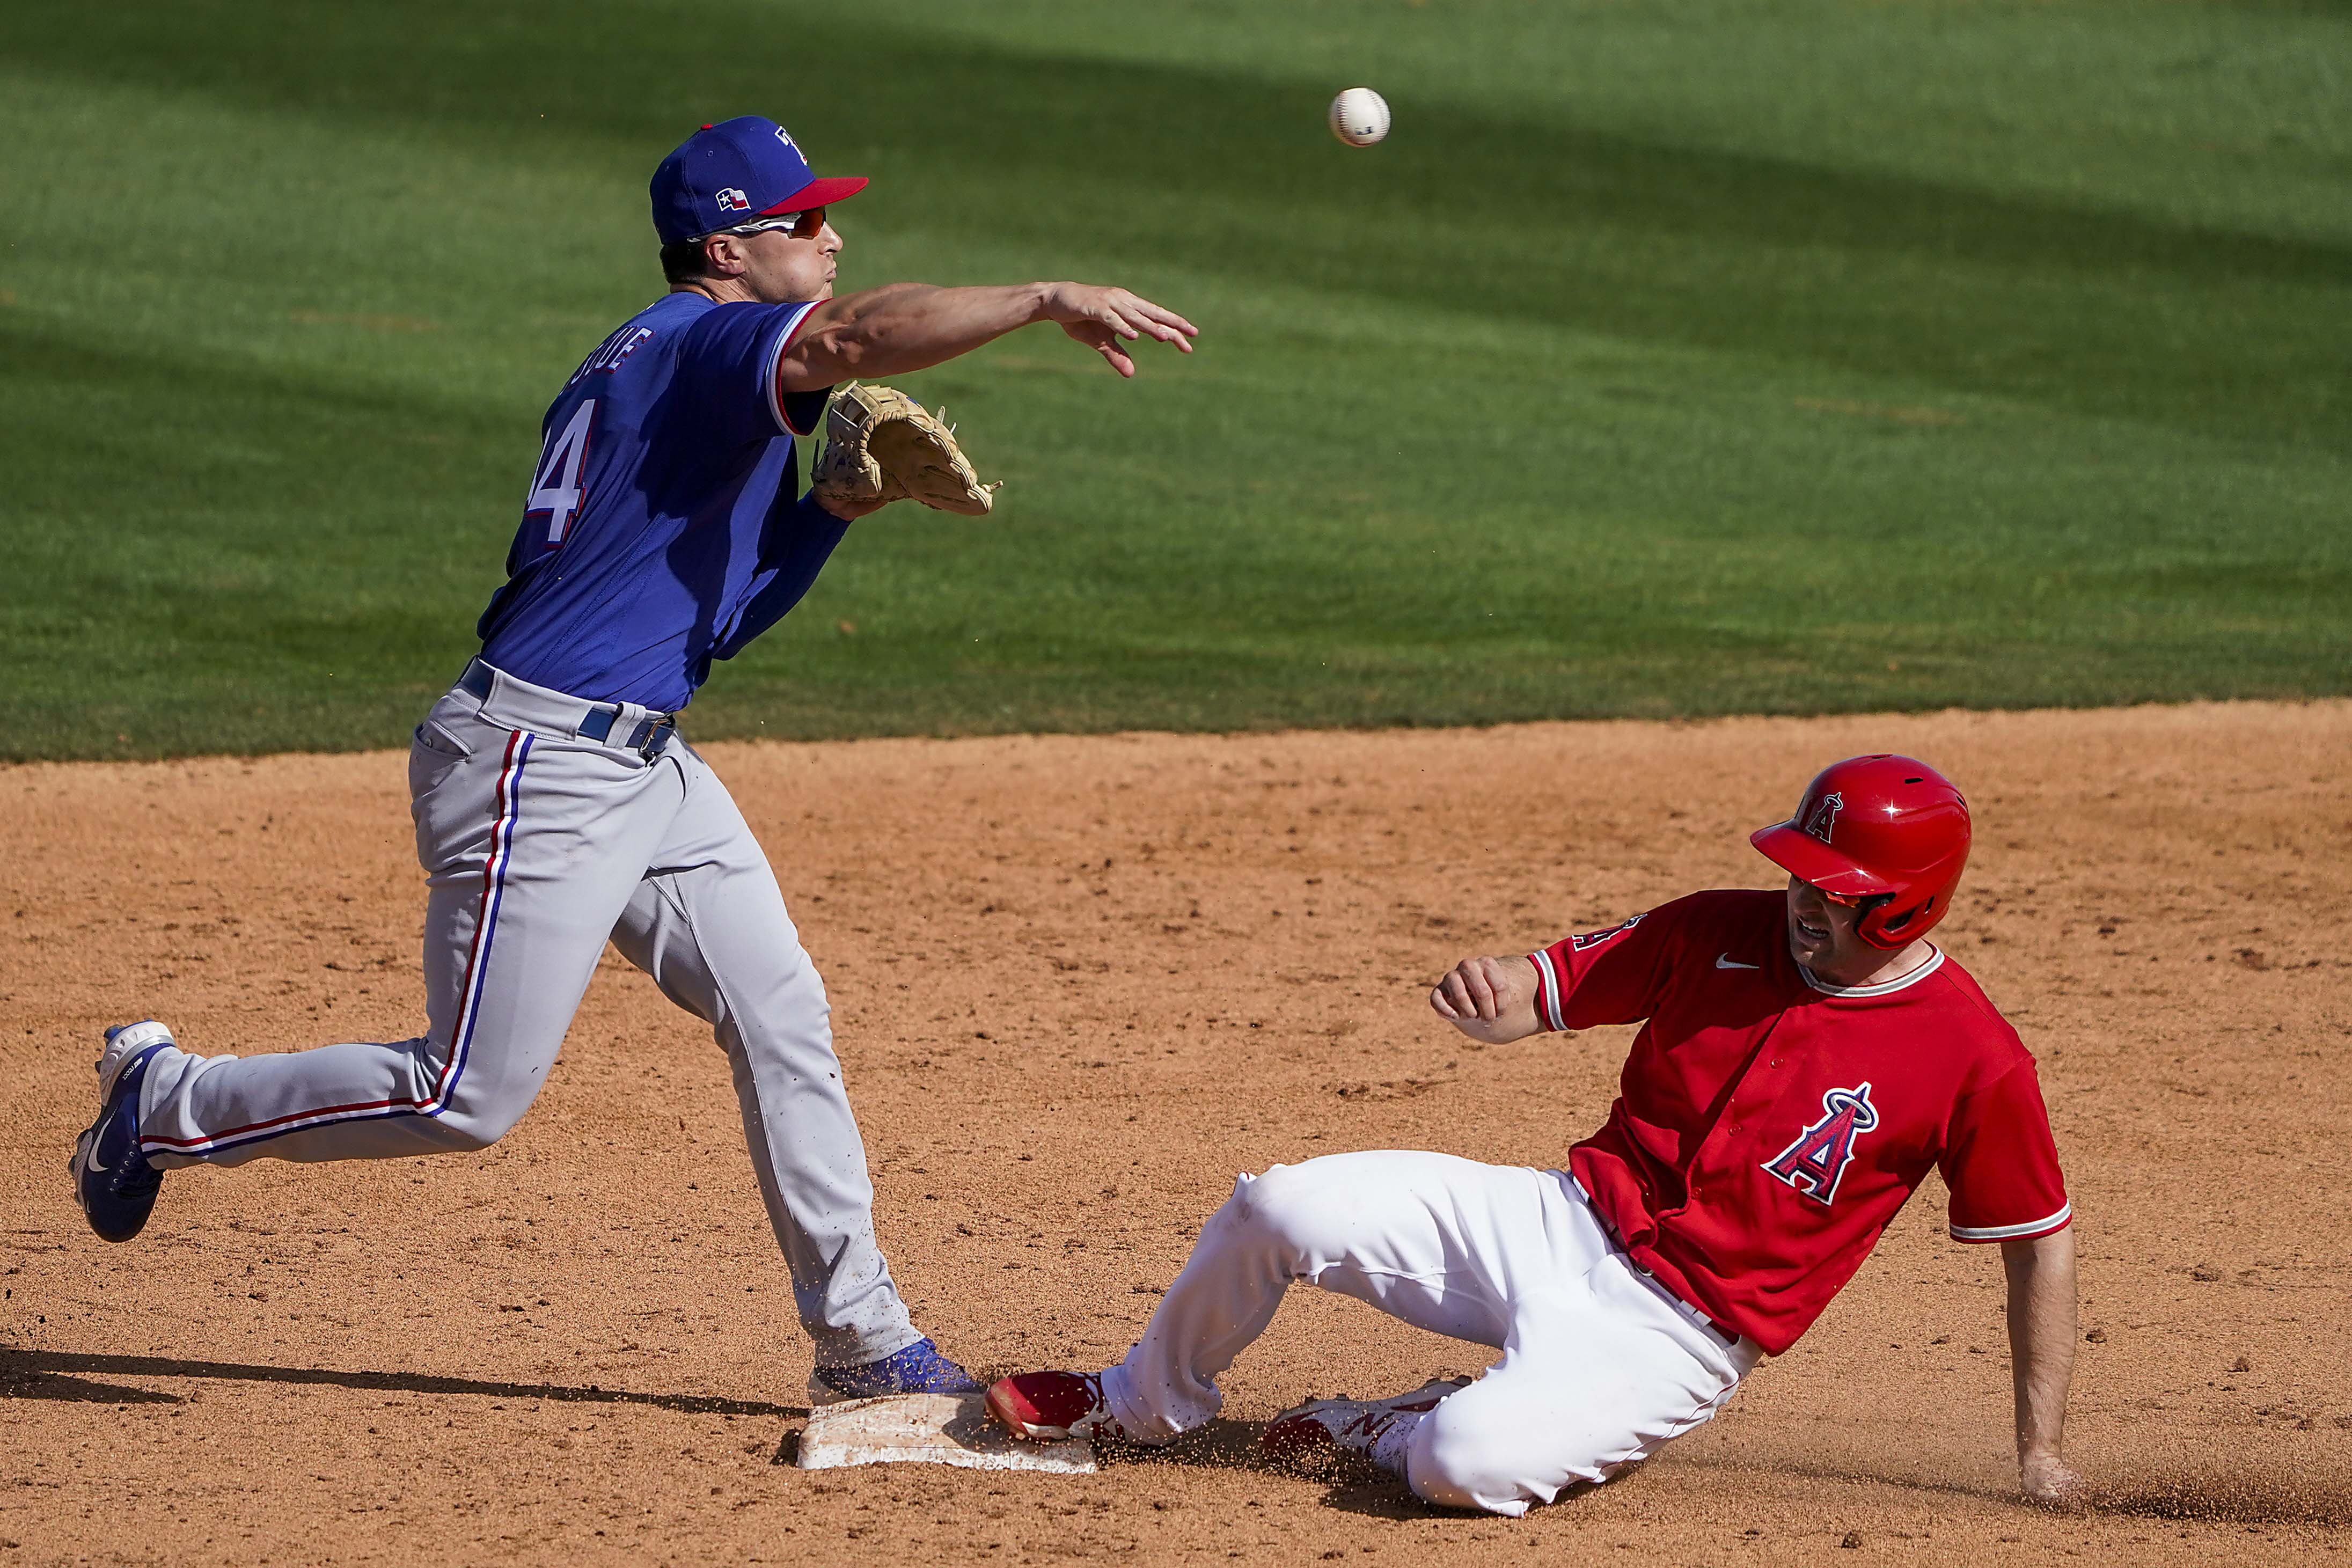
(729, 364)
(2001, 1163)
(1612, 976)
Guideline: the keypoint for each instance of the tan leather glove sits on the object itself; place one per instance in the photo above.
(880, 446)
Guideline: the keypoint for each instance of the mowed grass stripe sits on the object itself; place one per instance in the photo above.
(1631, 422)
(1518, 218)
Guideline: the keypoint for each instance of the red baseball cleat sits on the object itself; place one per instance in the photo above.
(1323, 1428)
(1046, 1406)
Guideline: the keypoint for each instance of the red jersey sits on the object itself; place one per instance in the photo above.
(1771, 1125)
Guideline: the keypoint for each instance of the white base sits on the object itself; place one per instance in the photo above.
(930, 1428)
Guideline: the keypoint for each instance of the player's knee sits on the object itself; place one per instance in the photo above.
(1456, 1460)
(1309, 1209)
(471, 1122)
(500, 1121)
(466, 1130)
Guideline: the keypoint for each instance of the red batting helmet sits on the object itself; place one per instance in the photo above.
(1886, 833)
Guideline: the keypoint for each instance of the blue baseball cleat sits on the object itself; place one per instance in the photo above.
(918, 1368)
(112, 1180)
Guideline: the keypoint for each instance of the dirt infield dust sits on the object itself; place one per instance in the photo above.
(1078, 983)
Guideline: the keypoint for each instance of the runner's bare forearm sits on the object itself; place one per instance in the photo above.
(2042, 1317)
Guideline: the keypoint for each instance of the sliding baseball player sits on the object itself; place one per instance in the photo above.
(1805, 1058)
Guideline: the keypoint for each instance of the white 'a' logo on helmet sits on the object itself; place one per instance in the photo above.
(1823, 821)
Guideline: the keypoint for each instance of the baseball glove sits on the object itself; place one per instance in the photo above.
(881, 447)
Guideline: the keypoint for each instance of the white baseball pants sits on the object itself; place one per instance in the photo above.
(539, 843)
(1600, 1364)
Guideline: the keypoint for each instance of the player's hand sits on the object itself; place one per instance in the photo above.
(1105, 319)
(1489, 999)
(2048, 1483)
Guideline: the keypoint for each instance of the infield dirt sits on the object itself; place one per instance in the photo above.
(1078, 983)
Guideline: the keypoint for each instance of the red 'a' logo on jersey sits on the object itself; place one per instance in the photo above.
(1816, 1162)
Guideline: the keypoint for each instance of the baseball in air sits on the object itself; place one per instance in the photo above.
(1360, 116)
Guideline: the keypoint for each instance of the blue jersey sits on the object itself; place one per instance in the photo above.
(661, 531)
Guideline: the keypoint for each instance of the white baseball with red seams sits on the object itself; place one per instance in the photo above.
(1360, 116)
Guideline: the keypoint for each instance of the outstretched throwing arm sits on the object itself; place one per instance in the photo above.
(903, 327)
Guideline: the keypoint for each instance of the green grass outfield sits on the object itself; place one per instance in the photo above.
(1680, 357)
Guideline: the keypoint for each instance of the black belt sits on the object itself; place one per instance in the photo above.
(647, 739)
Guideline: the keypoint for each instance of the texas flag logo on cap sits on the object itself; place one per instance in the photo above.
(748, 167)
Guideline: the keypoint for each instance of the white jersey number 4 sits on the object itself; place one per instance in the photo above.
(556, 489)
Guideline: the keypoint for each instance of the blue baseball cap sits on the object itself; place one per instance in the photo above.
(734, 172)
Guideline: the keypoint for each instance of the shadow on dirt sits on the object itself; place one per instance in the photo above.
(1222, 1444)
(2228, 1499)
(1350, 1486)
(1354, 1487)
(49, 1374)
(18, 1383)
(1219, 1446)
(2207, 1498)
(2189, 1499)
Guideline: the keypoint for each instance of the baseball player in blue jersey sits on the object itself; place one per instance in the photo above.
(555, 806)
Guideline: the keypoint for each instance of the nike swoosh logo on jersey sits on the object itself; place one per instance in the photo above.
(1725, 960)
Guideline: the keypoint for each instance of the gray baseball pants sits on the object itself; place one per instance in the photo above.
(539, 843)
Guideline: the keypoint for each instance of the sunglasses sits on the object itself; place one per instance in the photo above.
(805, 225)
